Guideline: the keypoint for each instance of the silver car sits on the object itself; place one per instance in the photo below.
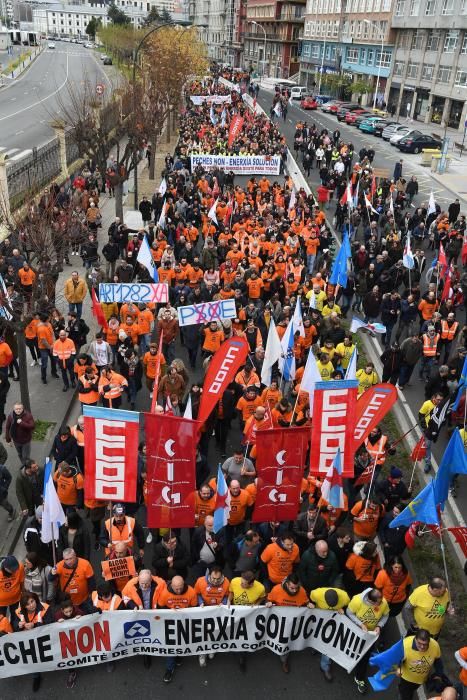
(399, 134)
(390, 130)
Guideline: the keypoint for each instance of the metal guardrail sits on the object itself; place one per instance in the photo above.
(33, 171)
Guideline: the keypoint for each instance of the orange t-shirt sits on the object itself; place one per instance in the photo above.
(212, 340)
(238, 506)
(254, 287)
(175, 601)
(212, 595)
(68, 487)
(26, 277)
(77, 589)
(150, 363)
(279, 596)
(248, 407)
(279, 561)
(11, 586)
(31, 329)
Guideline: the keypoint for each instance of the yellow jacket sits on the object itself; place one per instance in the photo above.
(75, 294)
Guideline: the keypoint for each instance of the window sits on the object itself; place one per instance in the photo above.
(404, 40)
(371, 57)
(386, 5)
(352, 55)
(464, 44)
(412, 70)
(383, 59)
(461, 78)
(447, 7)
(369, 6)
(444, 74)
(433, 40)
(400, 8)
(335, 28)
(464, 7)
(362, 5)
(451, 40)
(414, 8)
(377, 5)
(366, 30)
(430, 7)
(398, 65)
(362, 56)
(359, 28)
(427, 71)
(315, 51)
(417, 39)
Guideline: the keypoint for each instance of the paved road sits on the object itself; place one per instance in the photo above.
(385, 158)
(28, 105)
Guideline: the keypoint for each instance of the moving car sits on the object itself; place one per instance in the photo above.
(51, 45)
(309, 103)
(332, 106)
(89, 46)
(368, 125)
(298, 92)
(107, 61)
(399, 134)
(391, 130)
(415, 142)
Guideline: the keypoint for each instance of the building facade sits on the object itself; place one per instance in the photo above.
(217, 22)
(429, 75)
(271, 37)
(352, 38)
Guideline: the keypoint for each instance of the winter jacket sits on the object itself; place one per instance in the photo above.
(19, 433)
(5, 481)
(75, 294)
(316, 572)
(29, 492)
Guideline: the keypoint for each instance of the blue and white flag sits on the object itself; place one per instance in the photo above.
(161, 222)
(331, 488)
(339, 273)
(223, 118)
(222, 509)
(358, 324)
(145, 258)
(287, 359)
(163, 187)
(212, 115)
(212, 212)
(311, 375)
(53, 516)
(407, 258)
(297, 318)
(272, 353)
(431, 205)
(351, 371)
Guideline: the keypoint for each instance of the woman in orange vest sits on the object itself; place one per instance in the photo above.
(111, 387)
(394, 582)
(32, 613)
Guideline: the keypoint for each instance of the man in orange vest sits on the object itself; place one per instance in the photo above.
(377, 447)
(111, 387)
(88, 387)
(64, 349)
(430, 351)
(11, 584)
(121, 528)
(449, 329)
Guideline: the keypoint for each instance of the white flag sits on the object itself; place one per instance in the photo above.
(145, 258)
(272, 353)
(407, 258)
(311, 375)
(431, 205)
(293, 200)
(297, 319)
(351, 371)
(53, 516)
(161, 222)
(391, 205)
(212, 212)
(278, 109)
(163, 187)
(369, 205)
(349, 198)
(188, 409)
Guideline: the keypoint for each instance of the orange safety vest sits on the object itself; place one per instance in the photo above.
(36, 618)
(116, 391)
(112, 604)
(377, 451)
(121, 535)
(448, 332)
(64, 350)
(78, 435)
(92, 397)
(430, 345)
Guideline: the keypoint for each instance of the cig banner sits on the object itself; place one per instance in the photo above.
(171, 463)
(110, 453)
(96, 639)
(333, 426)
(279, 465)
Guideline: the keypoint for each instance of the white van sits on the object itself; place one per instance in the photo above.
(298, 92)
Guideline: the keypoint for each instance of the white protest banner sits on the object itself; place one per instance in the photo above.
(206, 312)
(239, 165)
(215, 99)
(95, 639)
(138, 293)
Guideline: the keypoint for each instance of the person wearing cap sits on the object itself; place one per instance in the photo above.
(121, 528)
(12, 576)
(392, 490)
(328, 599)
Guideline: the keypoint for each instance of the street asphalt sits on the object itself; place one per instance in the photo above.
(29, 104)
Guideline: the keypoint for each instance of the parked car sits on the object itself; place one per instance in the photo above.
(368, 125)
(51, 45)
(345, 109)
(309, 103)
(357, 117)
(298, 92)
(89, 46)
(323, 99)
(103, 56)
(107, 61)
(391, 130)
(332, 106)
(415, 142)
(382, 125)
(399, 134)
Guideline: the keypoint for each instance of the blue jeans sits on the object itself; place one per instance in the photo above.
(425, 367)
(170, 663)
(45, 354)
(132, 391)
(144, 341)
(168, 350)
(405, 373)
(325, 663)
(77, 307)
(310, 263)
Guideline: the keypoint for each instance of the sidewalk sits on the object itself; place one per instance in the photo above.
(454, 179)
(6, 80)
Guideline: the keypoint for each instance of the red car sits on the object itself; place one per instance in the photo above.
(350, 117)
(309, 103)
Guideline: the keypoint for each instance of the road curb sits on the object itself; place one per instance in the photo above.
(14, 80)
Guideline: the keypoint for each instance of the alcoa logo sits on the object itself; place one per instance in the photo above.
(132, 630)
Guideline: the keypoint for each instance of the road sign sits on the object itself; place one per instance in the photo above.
(99, 89)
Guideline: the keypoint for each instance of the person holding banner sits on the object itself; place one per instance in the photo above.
(74, 577)
(212, 589)
(246, 590)
(31, 613)
(288, 593)
(176, 596)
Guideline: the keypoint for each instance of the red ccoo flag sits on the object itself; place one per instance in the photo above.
(236, 126)
(419, 451)
(97, 311)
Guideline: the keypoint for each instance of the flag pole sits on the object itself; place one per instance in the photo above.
(443, 554)
(295, 408)
(375, 461)
(54, 549)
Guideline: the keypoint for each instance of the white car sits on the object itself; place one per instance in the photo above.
(298, 92)
(89, 46)
(51, 45)
(103, 56)
(400, 133)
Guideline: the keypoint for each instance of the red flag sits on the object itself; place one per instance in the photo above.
(228, 212)
(419, 451)
(442, 257)
(254, 104)
(373, 187)
(171, 464)
(460, 535)
(236, 126)
(279, 464)
(97, 310)
(222, 369)
(371, 408)
(111, 453)
(464, 250)
(155, 388)
(333, 403)
(411, 535)
(447, 286)
(366, 475)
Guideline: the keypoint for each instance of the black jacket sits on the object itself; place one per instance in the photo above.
(5, 481)
(29, 493)
(300, 528)
(66, 451)
(197, 543)
(81, 542)
(180, 562)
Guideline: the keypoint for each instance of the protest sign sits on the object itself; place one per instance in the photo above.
(138, 293)
(239, 165)
(211, 99)
(95, 639)
(118, 568)
(206, 312)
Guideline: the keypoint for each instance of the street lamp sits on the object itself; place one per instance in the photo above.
(252, 21)
(135, 59)
(322, 67)
(368, 21)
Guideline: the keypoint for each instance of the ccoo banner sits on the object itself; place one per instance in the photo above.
(95, 639)
(206, 312)
(371, 408)
(333, 409)
(239, 165)
(137, 292)
(111, 453)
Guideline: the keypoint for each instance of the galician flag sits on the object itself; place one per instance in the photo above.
(287, 358)
(311, 375)
(53, 516)
(357, 324)
(431, 205)
(163, 187)
(351, 371)
(222, 509)
(331, 488)
(297, 319)
(407, 259)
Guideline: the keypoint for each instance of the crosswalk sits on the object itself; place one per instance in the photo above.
(14, 154)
